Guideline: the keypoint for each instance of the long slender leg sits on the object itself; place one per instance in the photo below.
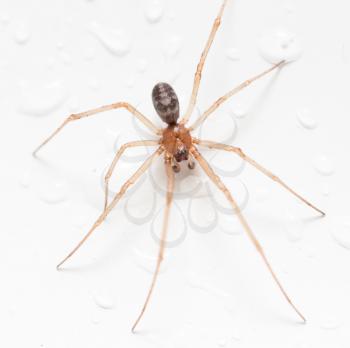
(240, 153)
(169, 198)
(198, 75)
(104, 108)
(117, 157)
(228, 95)
(115, 200)
(217, 181)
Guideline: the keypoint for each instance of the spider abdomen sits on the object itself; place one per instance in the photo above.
(166, 103)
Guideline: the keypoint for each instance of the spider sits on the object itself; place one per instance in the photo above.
(177, 145)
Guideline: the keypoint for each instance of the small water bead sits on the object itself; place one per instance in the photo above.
(21, 34)
(305, 119)
(341, 232)
(325, 190)
(25, 178)
(52, 191)
(323, 165)
(4, 19)
(114, 40)
(96, 317)
(41, 100)
(89, 53)
(233, 54)
(230, 225)
(136, 211)
(93, 84)
(154, 11)
(238, 110)
(130, 81)
(294, 227)
(330, 323)
(171, 46)
(104, 300)
(141, 65)
(289, 6)
(223, 342)
(280, 46)
(202, 216)
(66, 58)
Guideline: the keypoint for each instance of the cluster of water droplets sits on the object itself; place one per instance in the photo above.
(280, 45)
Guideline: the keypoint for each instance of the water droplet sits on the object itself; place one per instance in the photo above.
(202, 216)
(21, 34)
(135, 210)
(341, 232)
(89, 53)
(230, 225)
(222, 342)
(330, 323)
(325, 190)
(238, 110)
(60, 45)
(233, 54)
(236, 335)
(93, 84)
(96, 317)
(50, 63)
(41, 100)
(130, 82)
(52, 191)
(104, 300)
(222, 128)
(154, 11)
(66, 58)
(4, 19)
(227, 164)
(289, 6)
(141, 65)
(323, 165)
(294, 228)
(114, 40)
(171, 46)
(305, 119)
(280, 46)
(25, 179)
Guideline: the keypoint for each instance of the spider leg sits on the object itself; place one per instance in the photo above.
(240, 153)
(198, 74)
(115, 200)
(228, 95)
(217, 181)
(104, 108)
(117, 157)
(169, 198)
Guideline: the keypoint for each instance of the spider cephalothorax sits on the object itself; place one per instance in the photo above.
(176, 138)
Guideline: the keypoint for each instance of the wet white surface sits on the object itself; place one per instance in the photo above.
(59, 57)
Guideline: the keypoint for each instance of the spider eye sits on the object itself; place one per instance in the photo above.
(166, 103)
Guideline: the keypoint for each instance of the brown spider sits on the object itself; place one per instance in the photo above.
(177, 144)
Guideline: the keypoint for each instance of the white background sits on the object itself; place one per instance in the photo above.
(59, 57)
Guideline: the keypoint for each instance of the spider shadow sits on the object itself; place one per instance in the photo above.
(258, 104)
